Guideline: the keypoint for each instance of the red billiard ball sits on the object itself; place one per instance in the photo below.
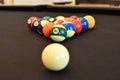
(78, 26)
(74, 17)
(60, 22)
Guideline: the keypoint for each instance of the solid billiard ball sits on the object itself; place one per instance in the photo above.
(58, 33)
(67, 19)
(84, 23)
(35, 24)
(55, 57)
(60, 22)
(70, 29)
(78, 26)
(91, 21)
(60, 17)
(46, 29)
(74, 17)
(39, 27)
(30, 20)
(46, 18)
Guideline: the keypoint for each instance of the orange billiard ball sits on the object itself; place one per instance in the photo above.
(46, 29)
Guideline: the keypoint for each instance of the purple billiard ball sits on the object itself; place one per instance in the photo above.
(36, 25)
(40, 27)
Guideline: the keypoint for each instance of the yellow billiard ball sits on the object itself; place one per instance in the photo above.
(55, 57)
(60, 17)
(91, 21)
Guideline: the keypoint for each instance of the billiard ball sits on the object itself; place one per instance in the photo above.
(58, 33)
(30, 20)
(35, 24)
(52, 19)
(74, 17)
(55, 57)
(91, 21)
(67, 19)
(78, 26)
(43, 22)
(70, 29)
(60, 22)
(84, 23)
(46, 18)
(39, 27)
(60, 17)
(46, 29)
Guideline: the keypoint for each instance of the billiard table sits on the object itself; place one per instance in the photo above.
(94, 54)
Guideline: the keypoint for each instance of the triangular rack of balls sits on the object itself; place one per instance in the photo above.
(60, 27)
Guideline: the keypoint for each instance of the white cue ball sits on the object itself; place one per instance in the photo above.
(55, 57)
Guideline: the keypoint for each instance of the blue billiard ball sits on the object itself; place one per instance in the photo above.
(84, 23)
(70, 29)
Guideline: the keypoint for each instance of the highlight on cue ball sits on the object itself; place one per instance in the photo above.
(55, 57)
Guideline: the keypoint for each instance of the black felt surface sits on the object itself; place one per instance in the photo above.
(94, 54)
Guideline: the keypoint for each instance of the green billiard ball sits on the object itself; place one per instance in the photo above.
(46, 18)
(58, 33)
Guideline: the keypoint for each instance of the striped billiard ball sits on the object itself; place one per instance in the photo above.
(70, 29)
(58, 33)
(84, 23)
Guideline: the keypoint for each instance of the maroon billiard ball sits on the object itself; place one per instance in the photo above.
(30, 20)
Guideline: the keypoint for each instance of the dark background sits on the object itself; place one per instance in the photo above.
(98, 1)
(94, 1)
